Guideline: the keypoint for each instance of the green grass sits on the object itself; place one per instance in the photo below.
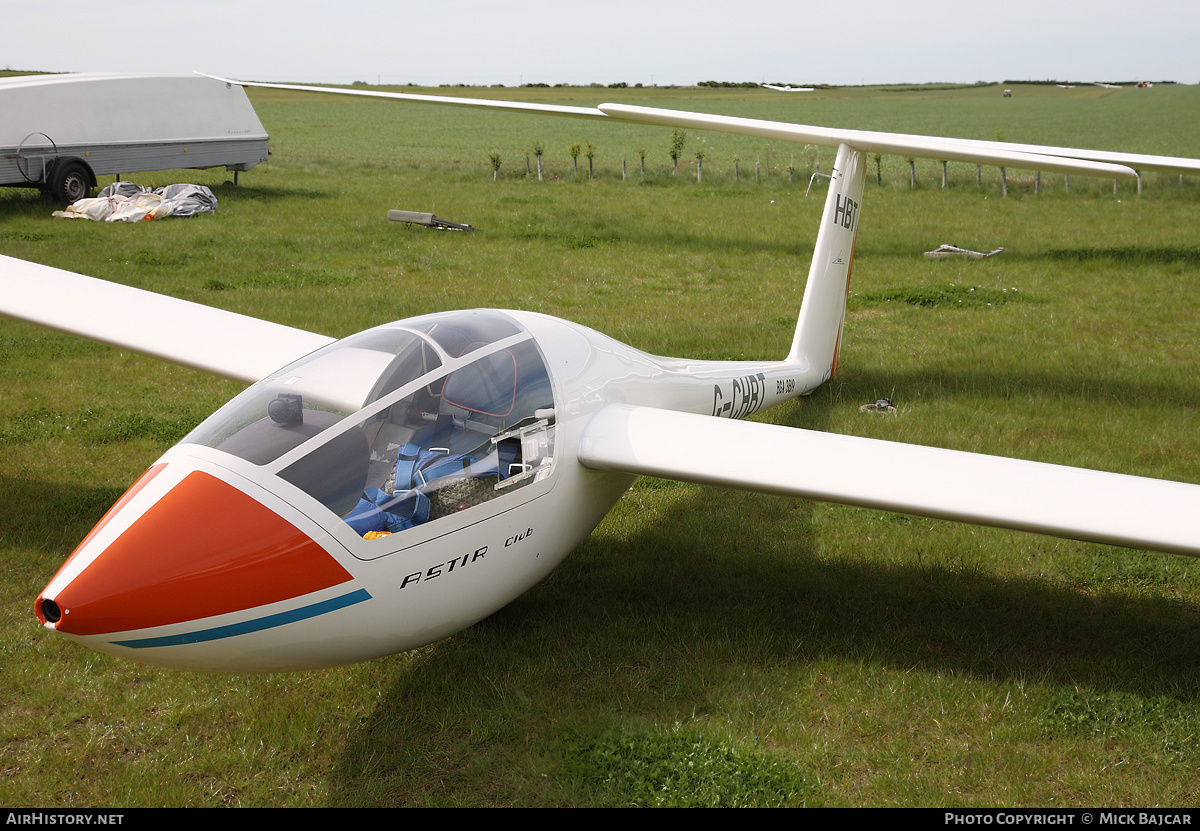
(673, 768)
(701, 645)
(951, 295)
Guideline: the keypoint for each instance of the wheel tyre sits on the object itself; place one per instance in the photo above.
(71, 181)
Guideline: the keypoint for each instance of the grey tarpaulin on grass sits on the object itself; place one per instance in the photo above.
(188, 200)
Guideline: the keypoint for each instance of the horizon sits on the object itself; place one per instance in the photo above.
(487, 42)
(712, 82)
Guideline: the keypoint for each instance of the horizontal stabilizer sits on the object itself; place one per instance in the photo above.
(1137, 161)
(1081, 504)
(192, 334)
(867, 141)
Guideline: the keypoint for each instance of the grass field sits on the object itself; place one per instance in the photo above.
(702, 645)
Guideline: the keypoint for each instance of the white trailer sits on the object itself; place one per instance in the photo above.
(59, 132)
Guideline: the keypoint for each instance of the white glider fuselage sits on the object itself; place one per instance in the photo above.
(270, 578)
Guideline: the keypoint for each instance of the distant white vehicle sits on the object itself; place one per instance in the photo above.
(59, 132)
(789, 88)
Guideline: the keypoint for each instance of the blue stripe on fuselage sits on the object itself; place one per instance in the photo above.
(257, 625)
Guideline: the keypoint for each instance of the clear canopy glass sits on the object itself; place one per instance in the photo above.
(402, 424)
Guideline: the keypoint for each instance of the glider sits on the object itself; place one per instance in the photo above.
(373, 494)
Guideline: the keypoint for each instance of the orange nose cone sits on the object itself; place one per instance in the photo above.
(204, 548)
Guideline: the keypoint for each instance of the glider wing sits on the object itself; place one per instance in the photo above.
(977, 152)
(205, 338)
(1080, 504)
(446, 100)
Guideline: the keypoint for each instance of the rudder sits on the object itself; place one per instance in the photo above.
(823, 311)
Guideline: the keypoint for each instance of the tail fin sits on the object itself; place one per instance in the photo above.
(823, 311)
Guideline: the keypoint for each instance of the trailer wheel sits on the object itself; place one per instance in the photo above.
(71, 181)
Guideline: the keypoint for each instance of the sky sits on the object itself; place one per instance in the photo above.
(636, 41)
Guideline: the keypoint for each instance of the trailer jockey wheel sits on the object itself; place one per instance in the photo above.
(71, 181)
